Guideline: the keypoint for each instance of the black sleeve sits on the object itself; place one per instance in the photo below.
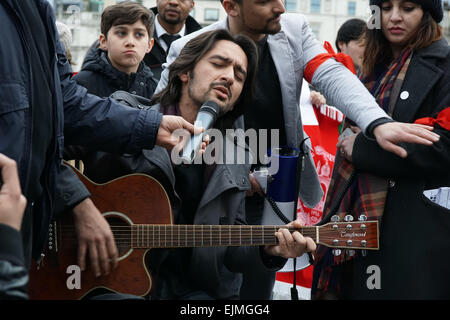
(376, 123)
(13, 274)
(70, 191)
(251, 258)
(422, 161)
(271, 262)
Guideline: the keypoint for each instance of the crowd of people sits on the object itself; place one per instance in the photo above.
(251, 65)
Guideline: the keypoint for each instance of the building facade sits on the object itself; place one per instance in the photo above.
(324, 16)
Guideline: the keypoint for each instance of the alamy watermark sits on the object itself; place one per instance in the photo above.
(374, 21)
(235, 147)
(74, 279)
(374, 280)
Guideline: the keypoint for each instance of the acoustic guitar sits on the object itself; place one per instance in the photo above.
(139, 213)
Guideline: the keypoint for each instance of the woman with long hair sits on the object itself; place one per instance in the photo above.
(406, 67)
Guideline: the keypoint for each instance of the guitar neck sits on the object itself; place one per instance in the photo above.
(179, 236)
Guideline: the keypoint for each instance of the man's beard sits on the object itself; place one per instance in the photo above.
(171, 20)
(267, 29)
(199, 100)
(273, 29)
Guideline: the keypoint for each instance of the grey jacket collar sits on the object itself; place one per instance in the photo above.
(225, 175)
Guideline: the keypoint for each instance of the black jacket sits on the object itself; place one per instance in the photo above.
(414, 234)
(77, 116)
(13, 274)
(155, 58)
(99, 77)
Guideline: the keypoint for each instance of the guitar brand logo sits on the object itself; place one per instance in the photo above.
(345, 234)
(74, 280)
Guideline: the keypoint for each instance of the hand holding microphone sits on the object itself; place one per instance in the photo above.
(206, 117)
(169, 125)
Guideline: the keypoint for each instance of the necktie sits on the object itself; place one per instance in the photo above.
(169, 38)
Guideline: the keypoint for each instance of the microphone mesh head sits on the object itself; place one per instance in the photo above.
(211, 107)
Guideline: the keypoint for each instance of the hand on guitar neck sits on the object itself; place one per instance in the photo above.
(291, 245)
(136, 208)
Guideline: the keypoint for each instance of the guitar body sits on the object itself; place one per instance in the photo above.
(139, 213)
(129, 200)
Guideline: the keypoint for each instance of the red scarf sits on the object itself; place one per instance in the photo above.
(442, 119)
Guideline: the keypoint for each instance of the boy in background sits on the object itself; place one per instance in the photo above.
(126, 37)
(348, 40)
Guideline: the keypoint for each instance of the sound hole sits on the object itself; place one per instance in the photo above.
(122, 234)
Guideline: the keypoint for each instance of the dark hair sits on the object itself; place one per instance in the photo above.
(192, 53)
(127, 12)
(378, 49)
(352, 29)
(237, 1)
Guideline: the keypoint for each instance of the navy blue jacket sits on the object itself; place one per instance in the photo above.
(78, 118)
(101, 78)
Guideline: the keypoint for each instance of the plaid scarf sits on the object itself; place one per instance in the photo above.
(357, 193)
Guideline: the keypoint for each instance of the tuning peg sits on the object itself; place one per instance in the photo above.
(350, 253)
(364, 253)
(337, 252)
(335, 218)
(348, 218)
(362, 217)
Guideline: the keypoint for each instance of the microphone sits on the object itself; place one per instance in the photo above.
(206, 117)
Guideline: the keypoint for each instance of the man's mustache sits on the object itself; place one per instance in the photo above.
(275, 17)
(222, 84)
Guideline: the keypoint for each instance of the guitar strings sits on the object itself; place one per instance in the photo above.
(167, 235)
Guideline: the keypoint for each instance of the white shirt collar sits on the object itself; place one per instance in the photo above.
(160, 31)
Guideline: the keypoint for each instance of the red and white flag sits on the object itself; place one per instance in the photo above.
(322, 124)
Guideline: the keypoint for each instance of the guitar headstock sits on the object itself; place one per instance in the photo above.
(350, 235)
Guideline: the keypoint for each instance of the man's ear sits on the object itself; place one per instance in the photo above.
(341, 46)
(102, 42)
(192, 5)
(231, 7)
(184, 76)
(150, 45)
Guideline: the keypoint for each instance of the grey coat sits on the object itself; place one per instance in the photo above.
(214, 270)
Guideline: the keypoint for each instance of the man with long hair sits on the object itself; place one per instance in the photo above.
(218, 67)
(290, 52)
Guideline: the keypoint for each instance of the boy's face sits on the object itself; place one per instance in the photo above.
(355, 49)
(127, 45)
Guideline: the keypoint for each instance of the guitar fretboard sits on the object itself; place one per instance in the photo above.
(178, 236)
